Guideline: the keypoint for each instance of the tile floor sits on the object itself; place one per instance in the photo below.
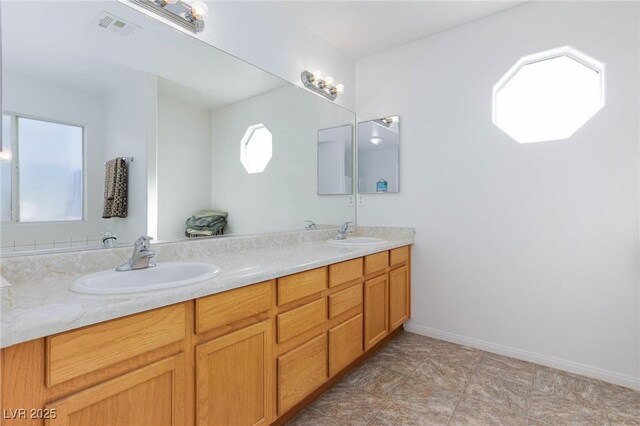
(416, 380)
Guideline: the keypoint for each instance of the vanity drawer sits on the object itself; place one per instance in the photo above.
(231, 306)
(345, 344)
(376, 262)
(301, 371)
(399, 255)
(344, 300)
(344, 272)
(297, 321)
(299, 286)
(95, 347)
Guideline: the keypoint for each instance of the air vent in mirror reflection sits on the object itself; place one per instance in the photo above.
(110, 22)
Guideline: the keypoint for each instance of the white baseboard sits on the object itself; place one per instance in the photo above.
(549, 361)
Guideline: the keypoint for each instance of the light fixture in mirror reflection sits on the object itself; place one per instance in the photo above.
(379, 155)
(322, 86)
(335, 160)
(186, 13)
(182, 119)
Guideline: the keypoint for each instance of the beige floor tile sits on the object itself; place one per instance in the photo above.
(623, 404)
(373, 378)
(310, 417)
(442, 373)
(552, 382)
(471, 412)
(344, 405)
(560, 411)
(429, 401)
(507, 395)
(505, 367)
(395, 360)
(454, 354)
(395, 414)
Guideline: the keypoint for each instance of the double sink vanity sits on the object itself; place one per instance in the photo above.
(281, 318)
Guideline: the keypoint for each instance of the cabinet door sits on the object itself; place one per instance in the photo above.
(398, 297)
(345, 344)
(151, 395)
(301, 371)
(234, 378)
(376, 321)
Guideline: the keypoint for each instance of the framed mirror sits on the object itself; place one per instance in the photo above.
(207, 144)
(379, 155)
(335, 160)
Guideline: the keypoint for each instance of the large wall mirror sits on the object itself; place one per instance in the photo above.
(196, 134)
(335, 160)
(379, 155)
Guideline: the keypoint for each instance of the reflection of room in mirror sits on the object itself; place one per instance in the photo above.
(181, 111)
(379, 155)
(335, 164)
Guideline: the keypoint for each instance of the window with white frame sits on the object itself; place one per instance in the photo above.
(256, 148)
(41, 170)
(548, 96)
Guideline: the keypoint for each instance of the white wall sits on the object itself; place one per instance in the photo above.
(131, 131)
(184, 164)
(285, 195)
(529, 250)
(37, 98)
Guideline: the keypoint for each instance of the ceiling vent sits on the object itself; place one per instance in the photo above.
(107, 21)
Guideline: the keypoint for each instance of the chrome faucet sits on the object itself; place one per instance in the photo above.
(109, 239)
(343, 232)
(310, 225)
(141, 257)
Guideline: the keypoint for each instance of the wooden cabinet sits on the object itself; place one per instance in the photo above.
(243, 357)
(345, 344)
(89, 349)
(376, 312)
(398, 297)
(301, 371)
(234, 378)
(151, 395)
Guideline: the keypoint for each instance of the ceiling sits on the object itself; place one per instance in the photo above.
(362, 28)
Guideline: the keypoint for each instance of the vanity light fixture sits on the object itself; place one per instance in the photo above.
(186, 13)
(388, 121)
(376, 141)
(325, 87)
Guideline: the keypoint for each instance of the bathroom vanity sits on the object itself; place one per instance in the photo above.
(250, 355)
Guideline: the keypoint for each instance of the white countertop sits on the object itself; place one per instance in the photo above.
(34, 309)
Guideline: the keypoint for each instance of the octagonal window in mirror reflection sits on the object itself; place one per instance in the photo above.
(548, 96)
(256, 148)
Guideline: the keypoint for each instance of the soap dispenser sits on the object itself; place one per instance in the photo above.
(382, 185)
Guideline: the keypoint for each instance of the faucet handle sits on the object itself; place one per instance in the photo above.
(345, 226)
(142, 243)
(310, 224)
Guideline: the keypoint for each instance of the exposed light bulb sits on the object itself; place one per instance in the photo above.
(317, 75)
(339, 88)
(375, 141)
(394, 119)
(199, 9)
(329, 80)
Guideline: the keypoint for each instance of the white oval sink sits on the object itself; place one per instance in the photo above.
(163, 275)
(357, 242)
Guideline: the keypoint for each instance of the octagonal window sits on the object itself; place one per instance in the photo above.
(548, 96)
(255, 148)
